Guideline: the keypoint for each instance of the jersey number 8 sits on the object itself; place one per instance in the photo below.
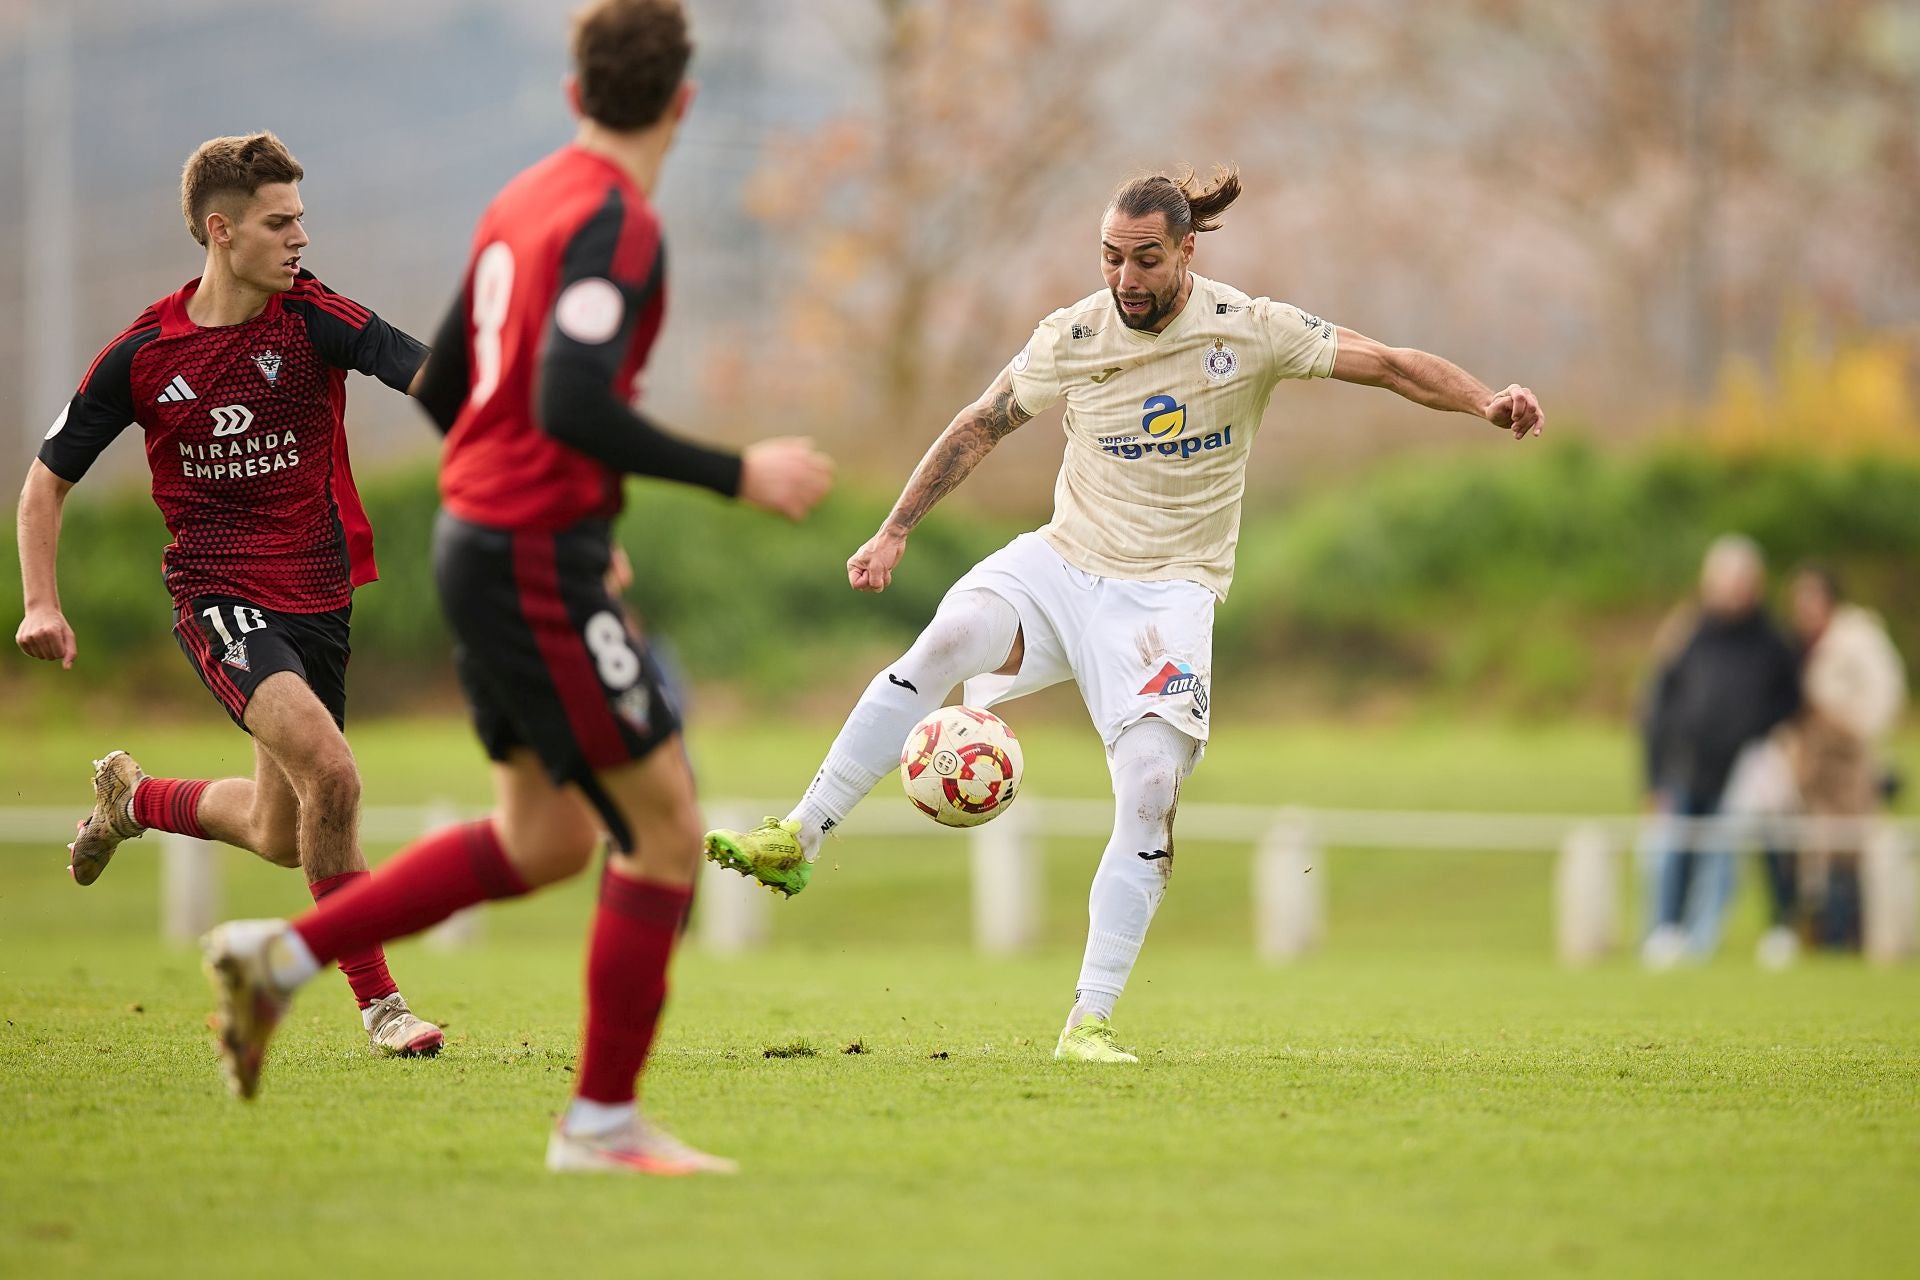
(492, 291)
(612, 652)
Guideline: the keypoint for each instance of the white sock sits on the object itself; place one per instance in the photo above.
(972, 633)
(1092, 1004)
(1149, 761)
(289, 960)
(588, 1119)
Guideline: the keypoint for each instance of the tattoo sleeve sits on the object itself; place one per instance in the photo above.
(967, 439)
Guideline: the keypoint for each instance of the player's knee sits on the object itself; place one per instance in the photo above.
(965, 637)
(670, 836)
(1150, 787)
(333, 787)
(282, 849)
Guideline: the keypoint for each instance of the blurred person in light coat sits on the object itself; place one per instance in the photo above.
(1728, 686)
(1853, 688)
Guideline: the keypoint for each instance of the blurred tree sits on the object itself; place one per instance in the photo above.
(909, 216)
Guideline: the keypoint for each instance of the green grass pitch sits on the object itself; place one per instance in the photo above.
(1428, 1096)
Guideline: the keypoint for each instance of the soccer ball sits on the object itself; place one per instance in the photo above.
(961, 766)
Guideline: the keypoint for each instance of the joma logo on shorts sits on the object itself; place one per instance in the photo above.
(1185, 447)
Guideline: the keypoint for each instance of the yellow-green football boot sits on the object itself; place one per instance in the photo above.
(770, 853)
(1090, 1040)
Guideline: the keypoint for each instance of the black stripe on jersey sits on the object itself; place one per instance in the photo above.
(149, 320)
(575, 394)
(100, 410)
(348, 336)
(444, 385)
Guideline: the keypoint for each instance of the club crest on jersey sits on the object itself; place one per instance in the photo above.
(1175, 678)
(636, 707)
(268, 363)
(1221, 362)
(237, 655)
(1165, 416)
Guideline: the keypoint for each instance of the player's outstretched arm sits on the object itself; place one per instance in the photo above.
(442, 382)
(43, 632)
(968, 438)
(1436, 383)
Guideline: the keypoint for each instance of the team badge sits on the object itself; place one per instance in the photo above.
(1221, 362)
(237, 655)
(636, 707)
(268, 363)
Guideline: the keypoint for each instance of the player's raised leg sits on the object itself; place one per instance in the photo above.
(973, 632)
(1149, 761)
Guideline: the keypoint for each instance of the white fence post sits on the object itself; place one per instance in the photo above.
(1289, 904)
(1889, 896)
(189, 887)
(730, 910)
(1586, 896)
(731, 915)
(1006, 885)
(462, 928)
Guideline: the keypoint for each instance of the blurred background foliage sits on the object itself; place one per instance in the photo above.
(1690, 226)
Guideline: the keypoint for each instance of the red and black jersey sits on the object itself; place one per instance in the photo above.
(537, 363)
(246, 439)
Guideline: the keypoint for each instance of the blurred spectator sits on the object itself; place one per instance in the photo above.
(1852, 691)
(1732, 681)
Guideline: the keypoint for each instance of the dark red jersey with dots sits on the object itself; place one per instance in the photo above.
(246, 440)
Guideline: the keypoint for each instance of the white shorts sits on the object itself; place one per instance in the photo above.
(1136, 649)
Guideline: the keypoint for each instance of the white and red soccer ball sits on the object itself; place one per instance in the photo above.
(961, 766)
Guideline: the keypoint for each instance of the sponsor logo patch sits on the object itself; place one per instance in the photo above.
(1164, 416)
(1174, 679)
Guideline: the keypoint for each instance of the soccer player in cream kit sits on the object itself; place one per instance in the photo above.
(1166, 377)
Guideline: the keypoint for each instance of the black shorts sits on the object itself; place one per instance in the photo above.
(546, 656)
(235, 644)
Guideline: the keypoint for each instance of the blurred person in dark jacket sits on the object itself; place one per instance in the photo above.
(1726, 688)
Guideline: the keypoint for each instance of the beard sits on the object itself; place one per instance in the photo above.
(1154, 314)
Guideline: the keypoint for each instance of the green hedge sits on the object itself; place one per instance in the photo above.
(1538, 573)
(1533, 575)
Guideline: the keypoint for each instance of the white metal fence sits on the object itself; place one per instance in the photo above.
(1288, 875)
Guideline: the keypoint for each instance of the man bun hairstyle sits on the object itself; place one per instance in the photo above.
(234, 166)
(1186, 205)
(629, 56)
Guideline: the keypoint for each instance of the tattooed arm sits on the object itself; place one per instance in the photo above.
(968, 438)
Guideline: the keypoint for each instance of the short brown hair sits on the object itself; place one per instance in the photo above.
(629, 56)
(239, 165)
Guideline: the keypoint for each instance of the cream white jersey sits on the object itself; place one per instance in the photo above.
(1159, 425)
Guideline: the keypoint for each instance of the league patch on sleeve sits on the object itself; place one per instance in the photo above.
(590, 311)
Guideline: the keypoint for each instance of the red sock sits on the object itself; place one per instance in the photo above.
(425, 883)
(634, 930)
(366, 971)
(170, 804)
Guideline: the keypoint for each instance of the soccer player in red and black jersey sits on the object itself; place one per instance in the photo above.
(239, 382)
(532, 375)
